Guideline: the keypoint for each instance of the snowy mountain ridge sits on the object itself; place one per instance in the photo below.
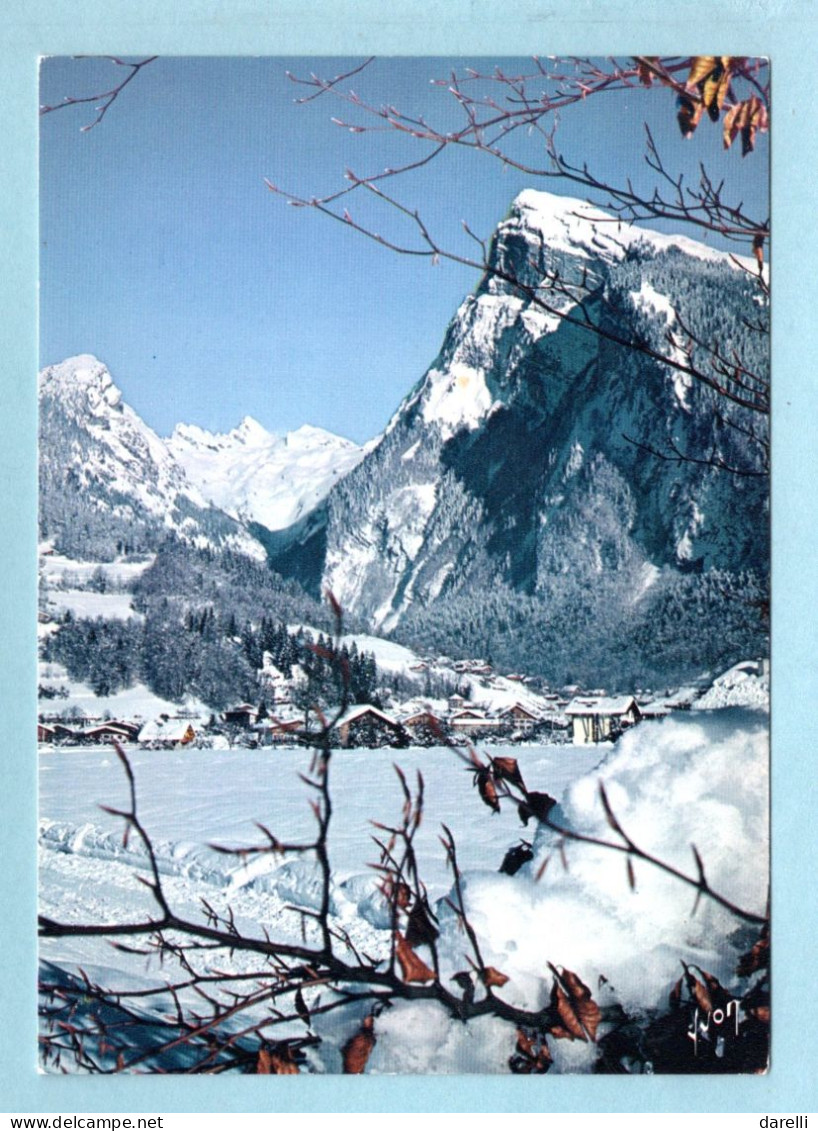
(255, 475)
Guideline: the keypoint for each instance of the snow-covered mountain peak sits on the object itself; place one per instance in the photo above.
(259, 476)
(98, 457)
(83, 384)
(308, 436)
(575, 227)
(566, 224)
(251, 433)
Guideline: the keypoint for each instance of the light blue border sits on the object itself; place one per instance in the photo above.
(782, 29)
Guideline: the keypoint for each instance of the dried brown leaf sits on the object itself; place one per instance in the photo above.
(699, 991)
(701, 67)
(645, 69)
(579, 1013)
(413, 969)
(689, 114)
(758, 957)
(715, 87)
(491, 976)
(507, 769)
(487, 790)
(357, 1050)
(758, 249)
(278, 1062)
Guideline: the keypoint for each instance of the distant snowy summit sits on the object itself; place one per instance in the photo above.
(258, 476)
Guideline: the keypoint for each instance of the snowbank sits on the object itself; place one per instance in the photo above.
(745, 685)
(680, 781)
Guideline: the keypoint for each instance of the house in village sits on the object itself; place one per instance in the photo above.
(519, 718)
(654, 710)
(60, 733)
(244, 715)
(598, 718)
(112, 731)
(424, 726)
(365, 725)
(274, 731)
(473, 721)
(166, 733)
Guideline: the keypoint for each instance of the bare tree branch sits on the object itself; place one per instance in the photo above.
(105, 99)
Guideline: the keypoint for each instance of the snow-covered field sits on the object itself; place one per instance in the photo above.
(700, 778)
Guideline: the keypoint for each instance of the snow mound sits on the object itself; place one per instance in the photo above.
(681, 781)
(745, 685)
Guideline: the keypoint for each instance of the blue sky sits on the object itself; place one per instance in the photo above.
(163, 252)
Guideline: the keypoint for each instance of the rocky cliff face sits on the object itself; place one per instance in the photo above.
(532, 449)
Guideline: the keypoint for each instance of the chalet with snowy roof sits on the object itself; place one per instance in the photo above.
(654, 710)
(166, 733)
(520, 718)
(244, 715)
(365, 725)
(273, 731)
(473, 721)
(424, 726)
(598, 718)
(112, 732)
(58, 733)
(682, 699)
(456, 703)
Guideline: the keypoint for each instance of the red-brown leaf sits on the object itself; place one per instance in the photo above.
(699, 992)
(529, 1059)
(508, 770)
(645, 70)
(491, 976)
(745, 118)
(356, 1051)
(403, 896)
(277, 1063)
(689, 114)
(758, 958)
(579, 1013)
(525, 1044)
(413, 969)
(488, 790)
